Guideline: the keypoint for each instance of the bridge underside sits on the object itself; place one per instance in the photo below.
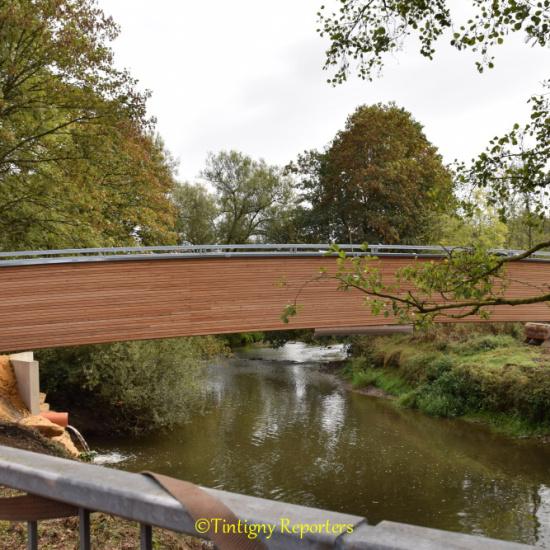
(92, 302)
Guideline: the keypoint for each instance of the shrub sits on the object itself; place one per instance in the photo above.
(132, 387)
(241, 339)
(483, 343)
(467, 370)
(435, 404)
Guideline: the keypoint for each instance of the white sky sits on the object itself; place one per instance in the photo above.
(247, 75)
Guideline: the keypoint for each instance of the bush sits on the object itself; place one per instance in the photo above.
(470, 370)
(127, 387)
(435, 404)
(483, 343)
(242, 339)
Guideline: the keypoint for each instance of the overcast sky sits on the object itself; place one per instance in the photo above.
(247, 75)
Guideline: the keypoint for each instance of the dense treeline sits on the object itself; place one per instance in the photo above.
(379, 180)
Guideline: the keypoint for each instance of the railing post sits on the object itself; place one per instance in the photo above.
(146, 537)
(32, 535)
(84, 528)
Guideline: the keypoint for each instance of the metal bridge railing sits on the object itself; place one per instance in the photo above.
(90, 488)
(70, 255)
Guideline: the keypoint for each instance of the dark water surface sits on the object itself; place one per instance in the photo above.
(275, 426)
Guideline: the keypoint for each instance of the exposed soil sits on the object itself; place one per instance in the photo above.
(11, 405)
(14, 435)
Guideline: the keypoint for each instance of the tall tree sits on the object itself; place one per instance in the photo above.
(79, 164)
(197, 211)
(250, 194)
(379, 180)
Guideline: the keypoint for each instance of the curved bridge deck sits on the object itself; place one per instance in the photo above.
(71, 297)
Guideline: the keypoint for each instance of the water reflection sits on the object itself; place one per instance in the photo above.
(274, 425)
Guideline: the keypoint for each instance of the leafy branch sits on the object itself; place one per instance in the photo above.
(464, 282)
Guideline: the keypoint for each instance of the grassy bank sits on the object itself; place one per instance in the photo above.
(483, 374)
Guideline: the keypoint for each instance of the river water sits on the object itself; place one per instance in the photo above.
(275, 425)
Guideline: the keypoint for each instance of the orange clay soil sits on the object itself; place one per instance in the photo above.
(11, 405)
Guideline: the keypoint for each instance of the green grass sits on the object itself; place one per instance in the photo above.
(388, 382)
(483, 374)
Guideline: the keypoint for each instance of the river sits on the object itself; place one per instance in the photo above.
(274, 424)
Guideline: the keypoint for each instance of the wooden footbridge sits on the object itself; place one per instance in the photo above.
(80, 296)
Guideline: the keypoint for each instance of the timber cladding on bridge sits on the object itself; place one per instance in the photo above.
(94, 299)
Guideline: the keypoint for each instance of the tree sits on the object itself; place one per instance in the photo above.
(250, 195)
(379, 180)
(128, 387)
(366, 30)
(291, 225)
(79, 163)
(469, 280)
(525, 227)
(197, 211)
(481, 227)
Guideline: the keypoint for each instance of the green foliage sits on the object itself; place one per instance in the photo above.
(132, 387)
(365, 31)
(379, 180)
(386, 381)
(197, 211)
(251, 195)
(79, 163)
(515, 166)
(525, 225)
(476, 374)
(482, 227)
(290, 310)
(464, 282)
(244, 339)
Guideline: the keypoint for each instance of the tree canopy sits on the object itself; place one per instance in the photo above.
(197, 211)
(79, 163)
(250, 194)
(80, 166)
(379, 180)
(363, 32)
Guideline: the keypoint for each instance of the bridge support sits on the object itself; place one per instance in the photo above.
(28, 379)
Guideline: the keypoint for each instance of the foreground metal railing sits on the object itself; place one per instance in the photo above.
(69, 255)
(92, 488)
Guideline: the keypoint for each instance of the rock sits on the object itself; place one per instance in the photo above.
(43, 425)
(537, 331)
